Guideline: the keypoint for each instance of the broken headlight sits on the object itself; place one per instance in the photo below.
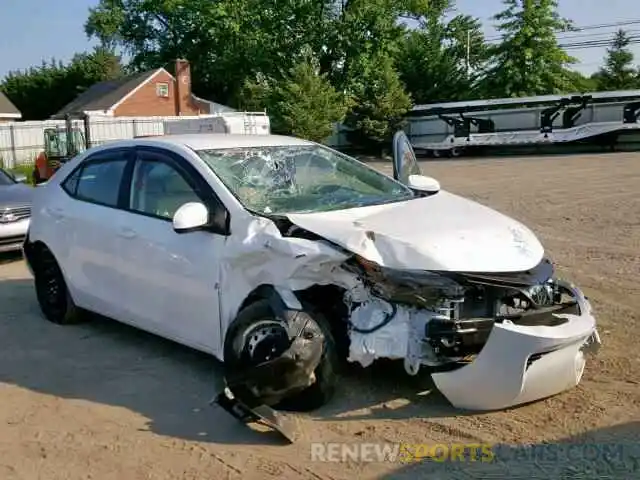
(545, 294)
(419, 288)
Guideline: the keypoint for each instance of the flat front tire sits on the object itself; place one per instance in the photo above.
(313, 397)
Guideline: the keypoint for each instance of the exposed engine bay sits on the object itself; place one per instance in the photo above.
(446, 318)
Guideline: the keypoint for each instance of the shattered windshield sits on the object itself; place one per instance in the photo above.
(300, 178)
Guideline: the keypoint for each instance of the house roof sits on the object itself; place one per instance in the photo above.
(8, 109)
(104, 95)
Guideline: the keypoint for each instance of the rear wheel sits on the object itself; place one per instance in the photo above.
(51, 290)
(257, 336)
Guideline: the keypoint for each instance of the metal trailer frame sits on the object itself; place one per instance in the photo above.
(464, 141)
(498, 103)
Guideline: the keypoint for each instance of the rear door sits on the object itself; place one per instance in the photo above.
(87, 220)
(405, 162)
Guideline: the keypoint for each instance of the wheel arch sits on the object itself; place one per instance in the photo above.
(280, 299)
(32, 248)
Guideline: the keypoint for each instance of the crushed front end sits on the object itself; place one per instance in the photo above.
(492, 340)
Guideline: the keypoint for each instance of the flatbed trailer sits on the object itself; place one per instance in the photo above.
(485, 139)
(603, 135)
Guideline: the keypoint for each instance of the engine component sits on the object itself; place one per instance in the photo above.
(444, 318)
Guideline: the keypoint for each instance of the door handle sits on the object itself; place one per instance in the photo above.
(127, 233)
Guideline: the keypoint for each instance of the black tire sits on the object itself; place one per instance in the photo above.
(54, 299)
(322, 390)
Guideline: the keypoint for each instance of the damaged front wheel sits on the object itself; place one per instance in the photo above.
(287, 363)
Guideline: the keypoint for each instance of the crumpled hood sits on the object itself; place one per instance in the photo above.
(441, 232)
(18, 195)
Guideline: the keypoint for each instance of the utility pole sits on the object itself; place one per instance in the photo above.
(468, 52)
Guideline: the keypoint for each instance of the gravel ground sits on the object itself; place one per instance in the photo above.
(104, 401)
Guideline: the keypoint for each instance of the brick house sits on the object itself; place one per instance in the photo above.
(151, 93)
(8, 111)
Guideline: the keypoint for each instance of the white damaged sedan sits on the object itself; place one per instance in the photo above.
(278, 255)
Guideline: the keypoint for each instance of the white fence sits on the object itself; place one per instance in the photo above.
(21, 142)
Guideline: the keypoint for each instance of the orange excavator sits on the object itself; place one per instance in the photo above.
(60, 145)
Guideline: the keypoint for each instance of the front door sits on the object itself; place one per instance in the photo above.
(404, 159)
(171, 278)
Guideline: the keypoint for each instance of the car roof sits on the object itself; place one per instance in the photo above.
(212, 141)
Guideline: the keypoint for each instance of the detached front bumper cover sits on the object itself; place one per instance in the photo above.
(521, 364)
(263, 414)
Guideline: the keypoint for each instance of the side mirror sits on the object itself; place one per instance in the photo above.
(191, 216)
(422, 184)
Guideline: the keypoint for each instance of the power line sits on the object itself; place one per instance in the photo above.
(594, 35)
(607, 25)
(595, 44)
(583, 28)
(633, 38)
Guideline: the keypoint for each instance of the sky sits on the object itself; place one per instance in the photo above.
(36, 30)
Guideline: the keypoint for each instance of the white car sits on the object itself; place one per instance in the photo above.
(242, 245)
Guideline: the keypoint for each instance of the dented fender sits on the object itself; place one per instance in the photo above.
(265, 259)
(288, 298)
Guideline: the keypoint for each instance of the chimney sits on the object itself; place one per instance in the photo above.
(183, 88)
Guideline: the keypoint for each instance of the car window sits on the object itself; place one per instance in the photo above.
(99, 182)
(70, 184)
(300, 178)
(159, 189)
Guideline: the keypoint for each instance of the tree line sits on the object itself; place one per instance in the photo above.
(312, 63)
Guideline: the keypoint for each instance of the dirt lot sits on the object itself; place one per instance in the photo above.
(103, 401)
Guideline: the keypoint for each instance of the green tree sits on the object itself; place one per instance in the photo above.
(39, 92)
(363, 46)
(226, 41)
(363, 28)
(440, 60)
(231, 43)
(303, 104)
(582, 83)
(528, 61)
(618, 72)
(380, 102)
